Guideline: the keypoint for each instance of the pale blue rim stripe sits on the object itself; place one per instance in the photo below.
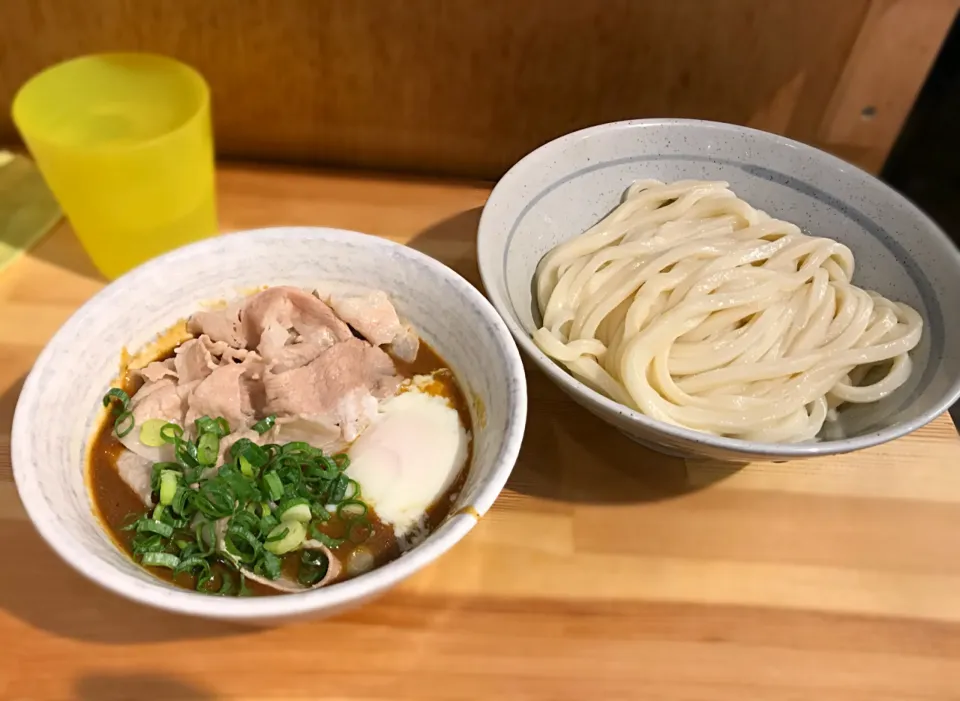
(932, 313)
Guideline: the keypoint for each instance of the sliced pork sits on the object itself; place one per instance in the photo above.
(292, 308)
(193, 361)
(136, 471)
(284, 352)
(158, 370)
(221, 325)
(225, 392)
(375, 318)
(405, 345)
(340, 388)
(371, 314)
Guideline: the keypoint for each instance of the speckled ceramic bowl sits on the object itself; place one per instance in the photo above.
(562, 188)
(60, 402)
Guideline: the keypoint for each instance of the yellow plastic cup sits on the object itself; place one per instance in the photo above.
(124, 142)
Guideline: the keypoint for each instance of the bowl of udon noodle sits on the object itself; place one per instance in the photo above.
(719, 292)
(269, 425)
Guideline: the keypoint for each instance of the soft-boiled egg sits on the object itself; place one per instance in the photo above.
(409, 456)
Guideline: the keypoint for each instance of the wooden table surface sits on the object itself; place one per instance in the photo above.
(603, 571)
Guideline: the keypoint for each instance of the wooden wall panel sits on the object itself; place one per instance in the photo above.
(458, 86)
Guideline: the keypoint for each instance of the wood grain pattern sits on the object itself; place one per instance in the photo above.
(603, 571)
(898, 42)
(469, 86)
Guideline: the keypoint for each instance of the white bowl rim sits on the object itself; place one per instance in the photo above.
(160, 595)
(508, 184)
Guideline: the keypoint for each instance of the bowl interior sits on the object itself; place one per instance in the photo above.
(566, 186)
(60, 404)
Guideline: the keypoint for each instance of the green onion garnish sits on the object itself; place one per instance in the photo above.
(265, 424)
(168, 486)
(195, 566)
(218, 427)
(322, 537)
(280, 542)
(313, 567)
(294, 509)
(123, 424)
(242, 543)
(181, 500)
(119, 399)
(207, 448)
(150, 525)
(160, 560)
(351, 509)
(171, 433)
(150, 432)
(268, 565)
(246, 468)
(339, 489)
(273, 486)
(249, 514)
(186, 453)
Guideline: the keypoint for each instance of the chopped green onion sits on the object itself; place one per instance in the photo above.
(206, 539)
(171, 433)
(322, 537)
(342, 460)
(273, 485)
(267, 522)
(186, 453)
(181, 499)
(265, 424)
(295, 509)
(168, 486)
(215, 499)
(353, 489)
(132, 526)
(236, 538)
(339, 489)
(270, 496)
(245, 467)
(149, 525)
(226, 585)
(160, 560)
(246, 519)
(189, 564)
(150, 432)
(295, 534)
(149, 544)
(169, 519)
(205, 424)
(268, 565)
(351, 509)
(208, 447)
(124, 424)
(119, 399)
(278, 533)
(313, 567)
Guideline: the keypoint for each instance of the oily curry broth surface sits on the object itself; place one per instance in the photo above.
(118, 506)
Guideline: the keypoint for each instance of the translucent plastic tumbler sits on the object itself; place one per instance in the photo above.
(124, 142)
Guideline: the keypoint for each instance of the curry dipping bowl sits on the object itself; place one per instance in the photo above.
(60, 405)
(561, 189)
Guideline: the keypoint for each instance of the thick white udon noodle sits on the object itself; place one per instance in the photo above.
(696, 309)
